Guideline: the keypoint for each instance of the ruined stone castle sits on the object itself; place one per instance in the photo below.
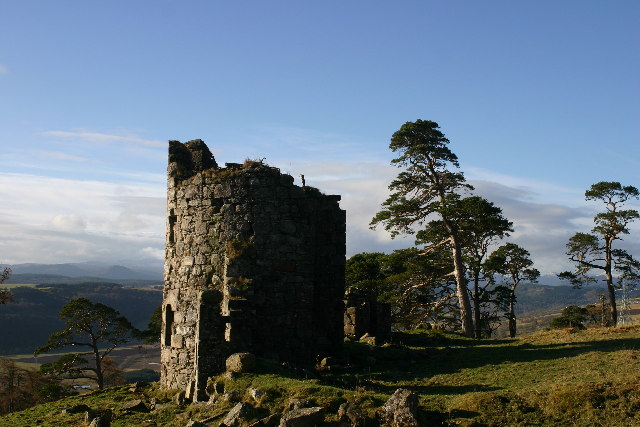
(253, 264)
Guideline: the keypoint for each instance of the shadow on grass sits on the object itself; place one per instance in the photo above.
(427, 356)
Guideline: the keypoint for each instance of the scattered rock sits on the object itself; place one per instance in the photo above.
(303, 417)
(232, 396)
(257, 395)
(270, 421)
(401, 409)
(298, 404)
(179, 398)
(329, 363)
(135, 406)
(368, 339)
(231, 375)
(76, 409)
(350, 415)
(98, 418)
(194, 423)
(236, 416)
(215, 387)
(241, 362)
(100, 422)
(138, 386)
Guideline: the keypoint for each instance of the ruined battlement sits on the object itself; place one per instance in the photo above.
(253, 263)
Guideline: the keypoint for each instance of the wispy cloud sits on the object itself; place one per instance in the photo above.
(63, 220)
(4, 69)
(105, 137)
(541, 226)
(63, 156)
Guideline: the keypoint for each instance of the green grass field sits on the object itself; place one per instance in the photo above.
(18, 285)
(561, 377)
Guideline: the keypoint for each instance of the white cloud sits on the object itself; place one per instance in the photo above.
(542, 227)
(61, 220)
(71, 223)
(154, 252)
(47, 219)
(104, 137)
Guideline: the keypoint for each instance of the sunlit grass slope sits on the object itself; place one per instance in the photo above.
(561, 377)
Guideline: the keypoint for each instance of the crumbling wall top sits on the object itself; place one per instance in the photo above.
(185, 160)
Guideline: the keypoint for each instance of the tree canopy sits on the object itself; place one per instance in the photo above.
(515, 264)
(5, 294)
(595, 250)
(427, 185)
(94, 326)
(480, 224)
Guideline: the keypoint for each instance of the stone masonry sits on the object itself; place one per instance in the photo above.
(253, 263)
(364, 315)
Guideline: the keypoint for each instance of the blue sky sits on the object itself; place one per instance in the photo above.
(539, 99)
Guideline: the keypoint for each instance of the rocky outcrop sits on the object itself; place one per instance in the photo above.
(401, 409)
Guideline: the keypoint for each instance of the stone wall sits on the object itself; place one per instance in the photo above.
(253, 263)
(364, 315)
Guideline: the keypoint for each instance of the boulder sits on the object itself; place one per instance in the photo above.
(368, 339)
(270, 421)
(303, 417)
(137, 387)
(241, 362)
(237, 415)
(295, 403)
(350, 415)
(98, 419)
(135, 406)
(100, 422)
(76, 409)
(231, 397)
(401, 409)
(257, 395)
(179, 398)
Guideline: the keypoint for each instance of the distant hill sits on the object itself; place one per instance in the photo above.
(28, 320)
(532, 298)
(84, 271)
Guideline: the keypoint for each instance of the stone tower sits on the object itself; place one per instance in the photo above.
(252, 263)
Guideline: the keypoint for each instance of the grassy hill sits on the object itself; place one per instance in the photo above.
(561, 377)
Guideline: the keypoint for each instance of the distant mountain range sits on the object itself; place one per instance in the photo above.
(74, 272)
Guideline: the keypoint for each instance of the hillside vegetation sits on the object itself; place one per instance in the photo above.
(560, 377)
(33, 314)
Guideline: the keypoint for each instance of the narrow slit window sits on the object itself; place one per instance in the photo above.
(168, 324)
(172, 225)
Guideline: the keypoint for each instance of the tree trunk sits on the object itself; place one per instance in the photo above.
(476, 305)
(613, 310)
(99, 374)
(512, 317)
(461, 289)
